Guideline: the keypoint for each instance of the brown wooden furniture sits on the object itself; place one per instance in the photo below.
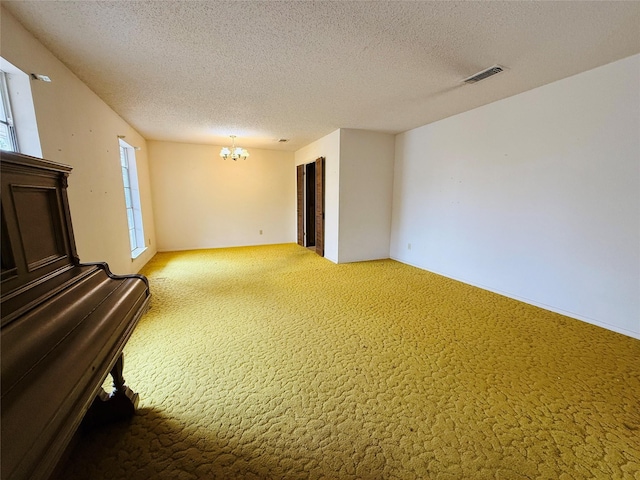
(64, 323)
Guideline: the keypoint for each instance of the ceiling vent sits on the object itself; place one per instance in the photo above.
(484, 74)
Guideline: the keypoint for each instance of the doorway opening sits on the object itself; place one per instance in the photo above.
(310, 184)
(310, 204)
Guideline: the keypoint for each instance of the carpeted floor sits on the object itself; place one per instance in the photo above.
(273, 363)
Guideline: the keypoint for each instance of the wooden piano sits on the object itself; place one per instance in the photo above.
(64, 323)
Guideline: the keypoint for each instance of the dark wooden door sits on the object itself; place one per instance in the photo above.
(320, 206)
(300, 186)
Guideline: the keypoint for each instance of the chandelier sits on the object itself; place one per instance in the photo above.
(234, 152)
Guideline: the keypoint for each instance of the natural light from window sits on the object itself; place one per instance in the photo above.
(132, 198)
(8, 139)
(18, 126)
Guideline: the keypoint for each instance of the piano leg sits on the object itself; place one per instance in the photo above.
(119, 405)
(127, 397)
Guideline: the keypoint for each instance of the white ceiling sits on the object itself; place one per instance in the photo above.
(198, 71)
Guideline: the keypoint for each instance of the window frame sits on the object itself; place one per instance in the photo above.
(131, 192)
(8, 114)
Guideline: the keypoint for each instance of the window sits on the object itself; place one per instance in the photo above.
(7, 132)
(132, 198)
(18, 125)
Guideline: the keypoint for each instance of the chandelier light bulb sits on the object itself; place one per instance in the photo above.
(234, 152)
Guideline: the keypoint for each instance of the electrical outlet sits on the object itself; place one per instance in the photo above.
(408, 246)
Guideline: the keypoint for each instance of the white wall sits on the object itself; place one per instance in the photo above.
(536, 196)
(328, 147)
(203, 201)
(79, 129)
(358, 192)
(366, 185)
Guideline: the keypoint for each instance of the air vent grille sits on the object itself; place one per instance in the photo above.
(484, 74)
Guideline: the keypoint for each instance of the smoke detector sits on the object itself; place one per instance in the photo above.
(486, 73)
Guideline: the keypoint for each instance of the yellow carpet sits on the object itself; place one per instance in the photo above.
(274, 363)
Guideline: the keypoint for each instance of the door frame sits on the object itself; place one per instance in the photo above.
(308, 202)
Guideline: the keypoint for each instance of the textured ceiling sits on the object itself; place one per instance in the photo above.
(198, 71)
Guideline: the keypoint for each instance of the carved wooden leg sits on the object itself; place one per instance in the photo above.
(116, 373)
(124, 398)
(120, 404)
